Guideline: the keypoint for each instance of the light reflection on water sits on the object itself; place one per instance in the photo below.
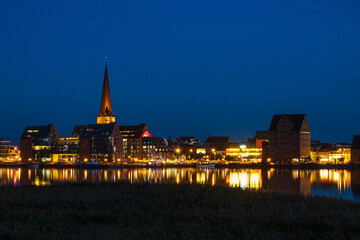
(337, 183)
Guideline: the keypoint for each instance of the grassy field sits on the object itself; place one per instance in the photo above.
(145, 211)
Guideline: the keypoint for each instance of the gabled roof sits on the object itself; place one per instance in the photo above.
(296, 119)
(234, 145)
(226, 139)
(37, 131)
(186, 138)
(132, 127)
(261, 135)
(135, 131)
(76, 130)
(201, 145)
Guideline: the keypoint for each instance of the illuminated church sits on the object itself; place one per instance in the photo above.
(106, 114)
(138, 143)
(104, 141)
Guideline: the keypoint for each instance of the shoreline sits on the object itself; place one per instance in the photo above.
(310, 166)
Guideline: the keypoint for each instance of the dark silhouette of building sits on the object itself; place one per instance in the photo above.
(289, 138)
(105, 115)
(219, 144)
(355, 150)
(100, 143)
(38, 142)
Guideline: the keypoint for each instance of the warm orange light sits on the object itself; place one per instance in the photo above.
(105, 120)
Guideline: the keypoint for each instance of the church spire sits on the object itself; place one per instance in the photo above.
(105, 115)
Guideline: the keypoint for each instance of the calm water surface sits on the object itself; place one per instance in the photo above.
(337, 183)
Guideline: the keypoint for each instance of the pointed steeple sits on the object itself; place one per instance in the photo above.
(105, 115)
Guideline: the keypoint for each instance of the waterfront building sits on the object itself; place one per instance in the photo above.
(219, 144)
(4, 149)
(67, 150)
(244, 153)
(289, 138)
(14, 154)
(183, 145)
(154, 148)
(174, 146)
(100, 143)
(38, 142)
(186, 141)
(355, 150)
(258, 140)
(8, 152)
(202, 150)
(132, 140)
(338, 153)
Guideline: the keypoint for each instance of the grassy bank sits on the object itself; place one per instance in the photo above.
(143, 211)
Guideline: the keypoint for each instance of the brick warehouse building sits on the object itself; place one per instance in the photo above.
(100, 143)
(138, 143)
(355, 150)
(289, 138)
(38, 142)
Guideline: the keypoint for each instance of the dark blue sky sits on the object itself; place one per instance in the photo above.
(184, 67)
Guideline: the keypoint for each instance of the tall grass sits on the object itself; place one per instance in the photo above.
(166, 211)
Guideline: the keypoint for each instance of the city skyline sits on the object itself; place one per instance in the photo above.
(217, 77)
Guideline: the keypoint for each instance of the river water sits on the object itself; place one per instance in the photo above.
(337, 183)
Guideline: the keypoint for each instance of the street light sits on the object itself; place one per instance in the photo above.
(178, 152)
(190, 153)
(213, 151)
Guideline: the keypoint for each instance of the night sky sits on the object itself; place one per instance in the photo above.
(184, 67)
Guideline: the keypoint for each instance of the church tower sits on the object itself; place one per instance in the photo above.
(105, 115)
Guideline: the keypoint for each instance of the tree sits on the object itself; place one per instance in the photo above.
(307, 159)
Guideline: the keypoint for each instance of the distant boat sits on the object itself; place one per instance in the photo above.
(155, 163)
(205, 164)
